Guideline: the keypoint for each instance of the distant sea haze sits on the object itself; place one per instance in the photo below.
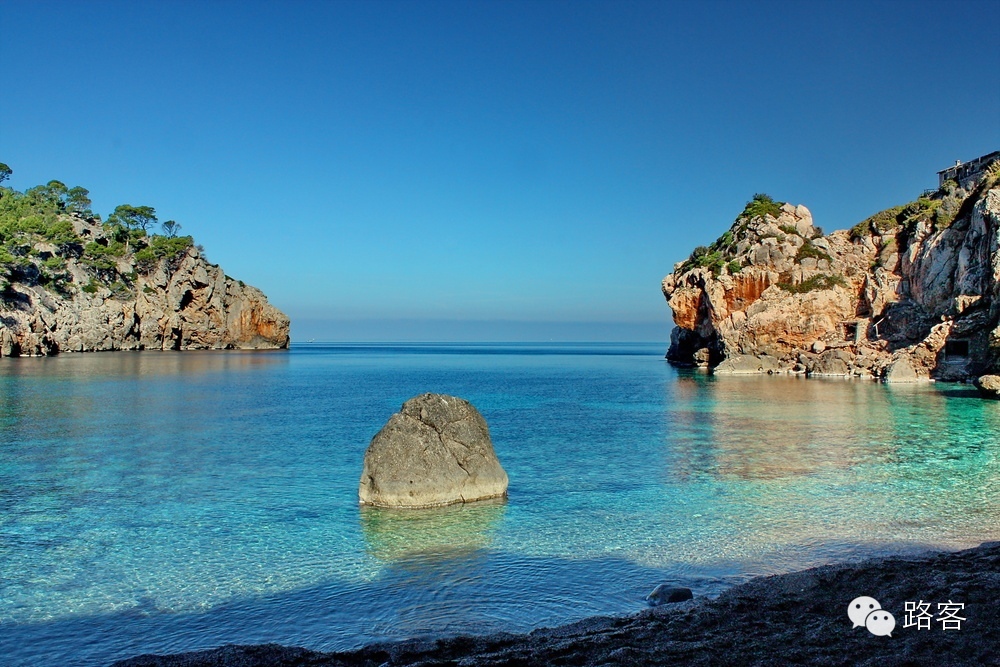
(306, 328)
(159, 502)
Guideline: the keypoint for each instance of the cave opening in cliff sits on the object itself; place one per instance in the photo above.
(956, 350)
(851, 331)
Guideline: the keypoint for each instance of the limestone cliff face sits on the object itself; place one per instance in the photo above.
(180, 302)
(913, 292)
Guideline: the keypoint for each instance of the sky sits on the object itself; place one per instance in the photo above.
(488, 171)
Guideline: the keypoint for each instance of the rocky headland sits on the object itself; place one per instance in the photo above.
(72, 283)
(910, 293)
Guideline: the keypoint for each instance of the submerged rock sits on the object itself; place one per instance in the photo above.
(741, 364)
(435, 451)
(664, 594)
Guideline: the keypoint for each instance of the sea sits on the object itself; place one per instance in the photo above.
(159, 502)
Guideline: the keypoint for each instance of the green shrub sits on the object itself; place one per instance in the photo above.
(720, 255)
(860, 230)
(55, 263)
(807, 249)
(43, 213)
(161, 247)
(103, 257)
(145, 260)
(32, 224)
(820, 281)
(921, 208)
(112, 249)
(91, 287)
(722, 244)
(941, 209)
(713, 261)
(36, 213)
(61, 232)
(734, 267)
(991, 178)
(54, 282)
(946, 212)
(892, 219)
(761, 205)
(119, 290)
(694, 259)
(17, 253)
(881, 223)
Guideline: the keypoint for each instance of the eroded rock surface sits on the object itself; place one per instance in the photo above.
(177, 303)
(910, 294)
(435, 451)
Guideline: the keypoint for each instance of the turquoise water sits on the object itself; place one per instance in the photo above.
(162, 502)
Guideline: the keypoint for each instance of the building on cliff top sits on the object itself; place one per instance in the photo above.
(968, 174)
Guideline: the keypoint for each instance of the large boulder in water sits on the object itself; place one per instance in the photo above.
(435, 451)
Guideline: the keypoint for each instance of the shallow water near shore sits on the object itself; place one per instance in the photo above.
(165, 502)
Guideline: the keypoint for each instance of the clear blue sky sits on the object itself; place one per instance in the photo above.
(488, 170)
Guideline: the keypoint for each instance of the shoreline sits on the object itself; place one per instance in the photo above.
(800, 617)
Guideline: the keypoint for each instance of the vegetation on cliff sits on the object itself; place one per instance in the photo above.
(759, 206)
(72, 282)
(940, 208)
(727, 253)
(910, 292)
(38, 236)
(721, 254)
(812, 283)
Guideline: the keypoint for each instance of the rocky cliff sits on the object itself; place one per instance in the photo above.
(70, 283)
(910, 293)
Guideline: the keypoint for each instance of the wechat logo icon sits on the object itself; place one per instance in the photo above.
(866, 611)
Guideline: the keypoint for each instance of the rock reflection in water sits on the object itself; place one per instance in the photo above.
(436, 565)
(777, 427)
(430, 534)
(130, 364)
